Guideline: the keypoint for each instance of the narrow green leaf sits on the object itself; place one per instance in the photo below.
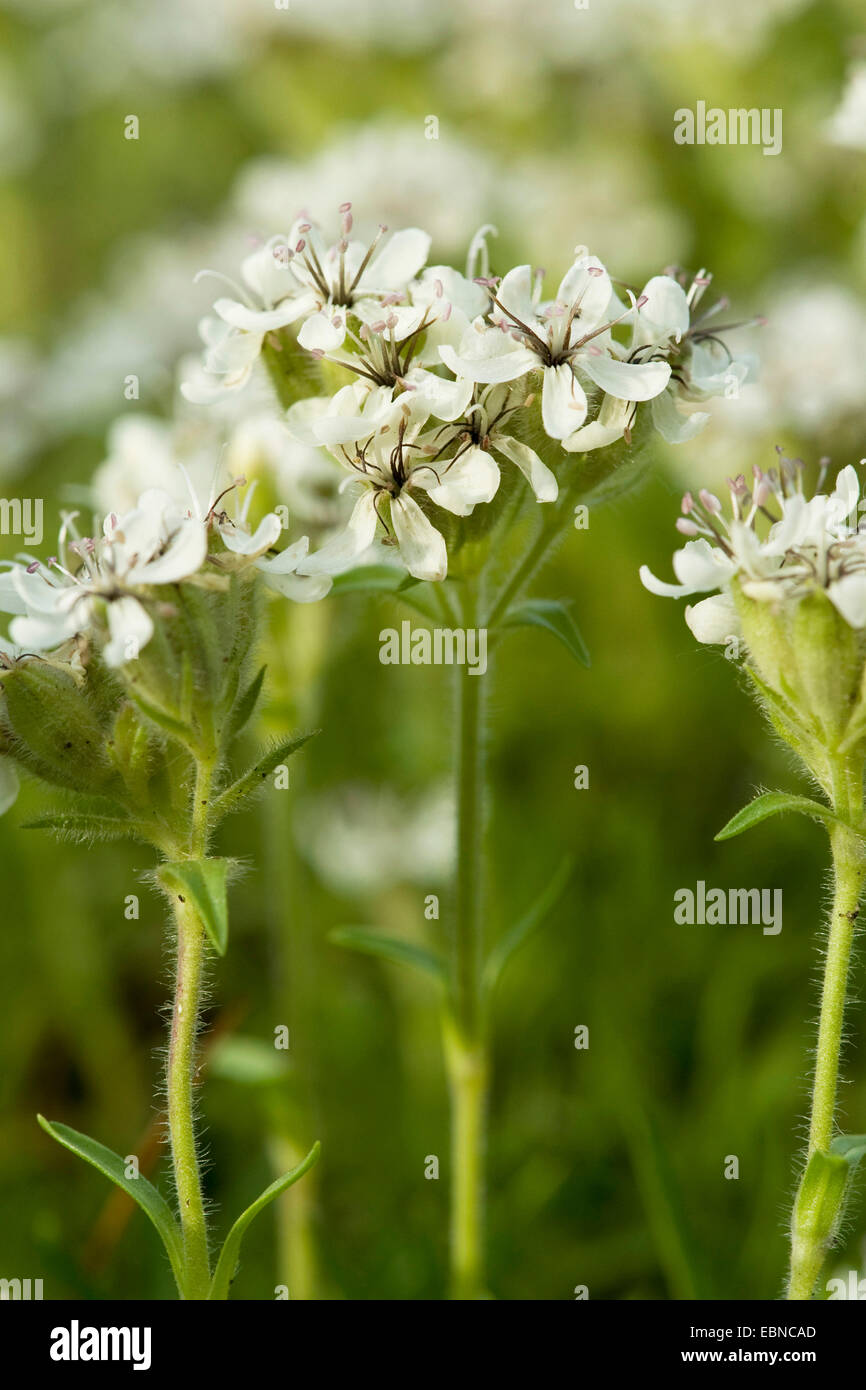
(83, 829)
(202, 882)
(391, 948)
(227, 1262)
(851, 1147)
(387, 579)
(250, 782)
(773, 804)
(369, 579)
(152, 1203)
(554, 615)
(530, 922)
(163, 719)
(244, 706)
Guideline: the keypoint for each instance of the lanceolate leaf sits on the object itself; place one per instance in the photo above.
(249, 784)
(388, 579)
(528, 923)
(391, 948)
(203, 883)
(554, 615)
(773, 804)
(80, 828)
(245, 705)
(227, 1262)
(164, 720)
(152, 1203)
(369, 579)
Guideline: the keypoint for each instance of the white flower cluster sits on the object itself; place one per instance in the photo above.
(105, 583)
(433, 370)
(812, 542)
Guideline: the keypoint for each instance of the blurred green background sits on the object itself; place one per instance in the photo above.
(606, 1166)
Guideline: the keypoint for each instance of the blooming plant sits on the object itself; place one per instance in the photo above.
(466, 416)
(786, 574)
(440, 395)
(126, 687)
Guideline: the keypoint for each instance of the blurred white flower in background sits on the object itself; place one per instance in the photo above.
(812, 350)
(847, 125)
(389, 172)
(364, 839)
(144, 451)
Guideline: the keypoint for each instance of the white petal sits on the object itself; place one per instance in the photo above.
(845, 495)
(45, 632)
(473, 477)
(184, 556)
(323, 332)
(609, 425)
(130, 629)
(673, 424)
(422, 548)
(563, 403)
(260, 321)
(299, 587)
(848, 596)
(629, 381)
(471, 299)
(713, 619)
(340, 553)
(302, 417)
(701, 566)
(434, 395)
(517, 295)
(588, 285)
(488, 356)
(236, 352)
(666, 312)
(287, 561)
(267, 533)
(537, 474)
(398, 262)
(12, 598)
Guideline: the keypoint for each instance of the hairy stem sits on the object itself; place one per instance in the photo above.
(808, 1245)
(181, 1108)
(191, 949)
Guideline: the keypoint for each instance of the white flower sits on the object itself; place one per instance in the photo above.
(701, 366)
(814, 543)
(155, 543)
(300, 277)
(561, 336)
(481, 434)
(389, 466)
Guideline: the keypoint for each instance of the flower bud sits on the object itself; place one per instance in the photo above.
(57, 728)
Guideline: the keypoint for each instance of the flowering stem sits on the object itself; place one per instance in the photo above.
(464, 1031)
(181, 1070)
(180, 1081)
(808, 1243)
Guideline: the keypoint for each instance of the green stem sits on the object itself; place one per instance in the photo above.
(181, 1108)
(468, 1071)
(191, 949)
(808, 1244)
(464, 1031)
